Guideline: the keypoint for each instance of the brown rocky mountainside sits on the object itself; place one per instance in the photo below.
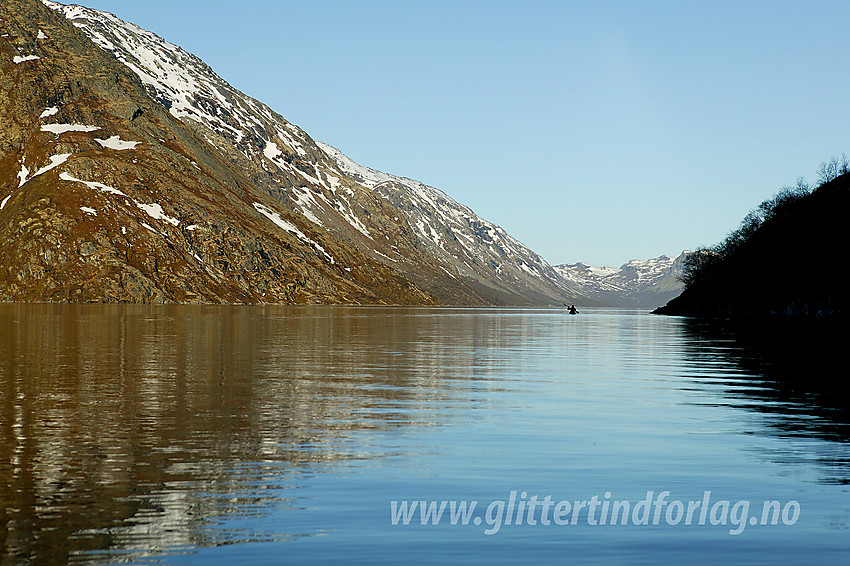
(111, 192)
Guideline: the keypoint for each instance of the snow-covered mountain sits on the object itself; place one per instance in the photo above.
(438, 244)
(637, 283)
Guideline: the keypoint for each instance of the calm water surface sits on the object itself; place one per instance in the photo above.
(204, 435)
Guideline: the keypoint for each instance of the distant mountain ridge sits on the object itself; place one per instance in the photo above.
(637, 283)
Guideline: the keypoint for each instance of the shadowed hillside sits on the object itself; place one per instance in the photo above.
(780, 262)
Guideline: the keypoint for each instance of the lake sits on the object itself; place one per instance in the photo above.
(316, 434)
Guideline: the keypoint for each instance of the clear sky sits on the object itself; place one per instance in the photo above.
(592, 131)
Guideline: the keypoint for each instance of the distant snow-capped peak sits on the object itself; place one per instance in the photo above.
(640, 283)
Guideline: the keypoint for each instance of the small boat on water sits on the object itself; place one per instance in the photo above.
(572, 309)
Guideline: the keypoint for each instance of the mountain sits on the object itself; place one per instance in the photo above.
(246, 207)
(479, 251)
(781, 262)
(106, 196)
(638, 283)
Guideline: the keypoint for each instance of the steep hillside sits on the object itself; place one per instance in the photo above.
(106, 196)
(479, 251)
(786, 266)
(435, 243)
(637, 283)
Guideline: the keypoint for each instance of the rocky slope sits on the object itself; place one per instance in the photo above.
(638, 283)
(346, 233)
(106, 196)
(480, 252)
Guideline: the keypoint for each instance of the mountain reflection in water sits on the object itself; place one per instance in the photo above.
(143, 434)
(114, 418)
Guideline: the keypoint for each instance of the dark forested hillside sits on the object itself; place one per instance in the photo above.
(786, 259)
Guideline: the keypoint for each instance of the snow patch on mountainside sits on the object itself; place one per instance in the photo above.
(155, 211)
(49, 112)
(23, 59)
(291, 228)
(92, 185)
(23, 175)
(55, 161)
(60, 129)
(116, 143)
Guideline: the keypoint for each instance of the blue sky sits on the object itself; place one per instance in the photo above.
(591, 131)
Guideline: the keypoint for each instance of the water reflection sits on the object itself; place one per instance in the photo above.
(792, 374)
(127, 431)
(134, 428)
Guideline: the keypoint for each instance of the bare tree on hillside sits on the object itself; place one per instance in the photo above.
(833, 168)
